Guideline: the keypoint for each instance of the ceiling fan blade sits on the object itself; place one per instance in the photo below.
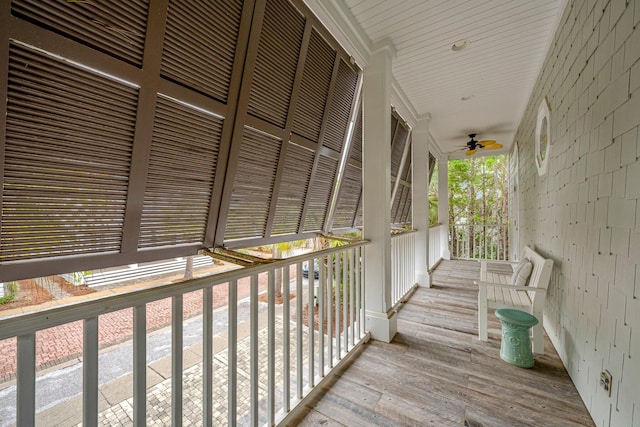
(486, 142)
(471, 152)
(492, 146)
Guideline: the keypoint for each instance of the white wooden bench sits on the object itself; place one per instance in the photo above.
(495, 290)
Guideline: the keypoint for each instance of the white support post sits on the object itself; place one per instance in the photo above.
(420, 199)
(443, 204)
(380, 317)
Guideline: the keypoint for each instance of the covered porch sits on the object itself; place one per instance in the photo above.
(436, 372)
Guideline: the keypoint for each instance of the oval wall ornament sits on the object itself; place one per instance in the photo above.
(543, 137)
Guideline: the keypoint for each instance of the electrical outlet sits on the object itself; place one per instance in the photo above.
(605, 381)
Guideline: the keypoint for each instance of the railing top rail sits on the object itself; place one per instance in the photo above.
(131, 296)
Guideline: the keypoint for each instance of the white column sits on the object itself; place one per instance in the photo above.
(376, 97)
(420, 198)
(443, 203)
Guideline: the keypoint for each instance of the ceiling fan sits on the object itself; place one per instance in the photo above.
(472, 146)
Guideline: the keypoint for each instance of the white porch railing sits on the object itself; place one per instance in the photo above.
(271, 366)
(480, 241)
(403, 261)
(438, 244)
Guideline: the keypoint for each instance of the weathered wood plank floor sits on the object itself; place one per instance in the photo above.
(436, 372)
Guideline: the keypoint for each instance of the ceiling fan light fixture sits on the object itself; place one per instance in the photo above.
(459, 45)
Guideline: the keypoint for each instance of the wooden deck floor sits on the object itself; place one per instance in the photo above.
(436, 372)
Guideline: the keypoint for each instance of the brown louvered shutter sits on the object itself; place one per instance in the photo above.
(355, 151)
(295, 180)
(397, 149)
(350, 194)
(253, 185)
(200, 45)
(314, 88)
(319, 193)
(340, 110)
(401, 208)
(406, 217)
(276, 62)
(67, 157)
(350, 191)
(115, 27)
(182, 165)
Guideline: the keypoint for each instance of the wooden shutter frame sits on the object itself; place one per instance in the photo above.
(285, 134)
(149, 85)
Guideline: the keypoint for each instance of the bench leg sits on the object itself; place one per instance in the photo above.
(538, 338)
(483, 334)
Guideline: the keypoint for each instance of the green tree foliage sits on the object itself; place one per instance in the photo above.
(433, 198)
(478, 194)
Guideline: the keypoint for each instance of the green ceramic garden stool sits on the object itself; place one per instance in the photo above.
(516, 344)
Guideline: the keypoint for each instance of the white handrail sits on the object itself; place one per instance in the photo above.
(340, 301)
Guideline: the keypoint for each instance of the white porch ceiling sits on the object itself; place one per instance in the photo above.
(508, 42)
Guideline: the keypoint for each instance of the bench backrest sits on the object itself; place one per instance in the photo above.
(541, 273)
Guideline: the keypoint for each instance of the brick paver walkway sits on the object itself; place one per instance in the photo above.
(62, 343)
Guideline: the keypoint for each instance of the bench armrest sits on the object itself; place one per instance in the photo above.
(517, 288)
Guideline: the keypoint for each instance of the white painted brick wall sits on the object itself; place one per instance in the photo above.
(585, 213)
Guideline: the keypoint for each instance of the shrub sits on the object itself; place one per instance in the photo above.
(13, 289)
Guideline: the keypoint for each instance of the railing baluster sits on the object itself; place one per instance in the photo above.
(26, 380)
(286, 341)
(207, 357)
(345, 299)
(352, 319)
(176, 360)
(311, 320)
(271, 349)
(299, 343)
(321, 314)
(232, 353)
(140, 365)
(358, 295)
(337, 305)
(329, 290)
(90, 372)
(254, 371)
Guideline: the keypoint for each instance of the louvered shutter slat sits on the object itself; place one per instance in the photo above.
(397, 149)
(253, 185)
(350, 191)
(295, 180)
(179, 181)
(116, 28)
(60, 197)
(200, 44)
(276, 62)
(355, 152)
(319, 193)
(351, 186)
(340, 110)
(314, 88)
